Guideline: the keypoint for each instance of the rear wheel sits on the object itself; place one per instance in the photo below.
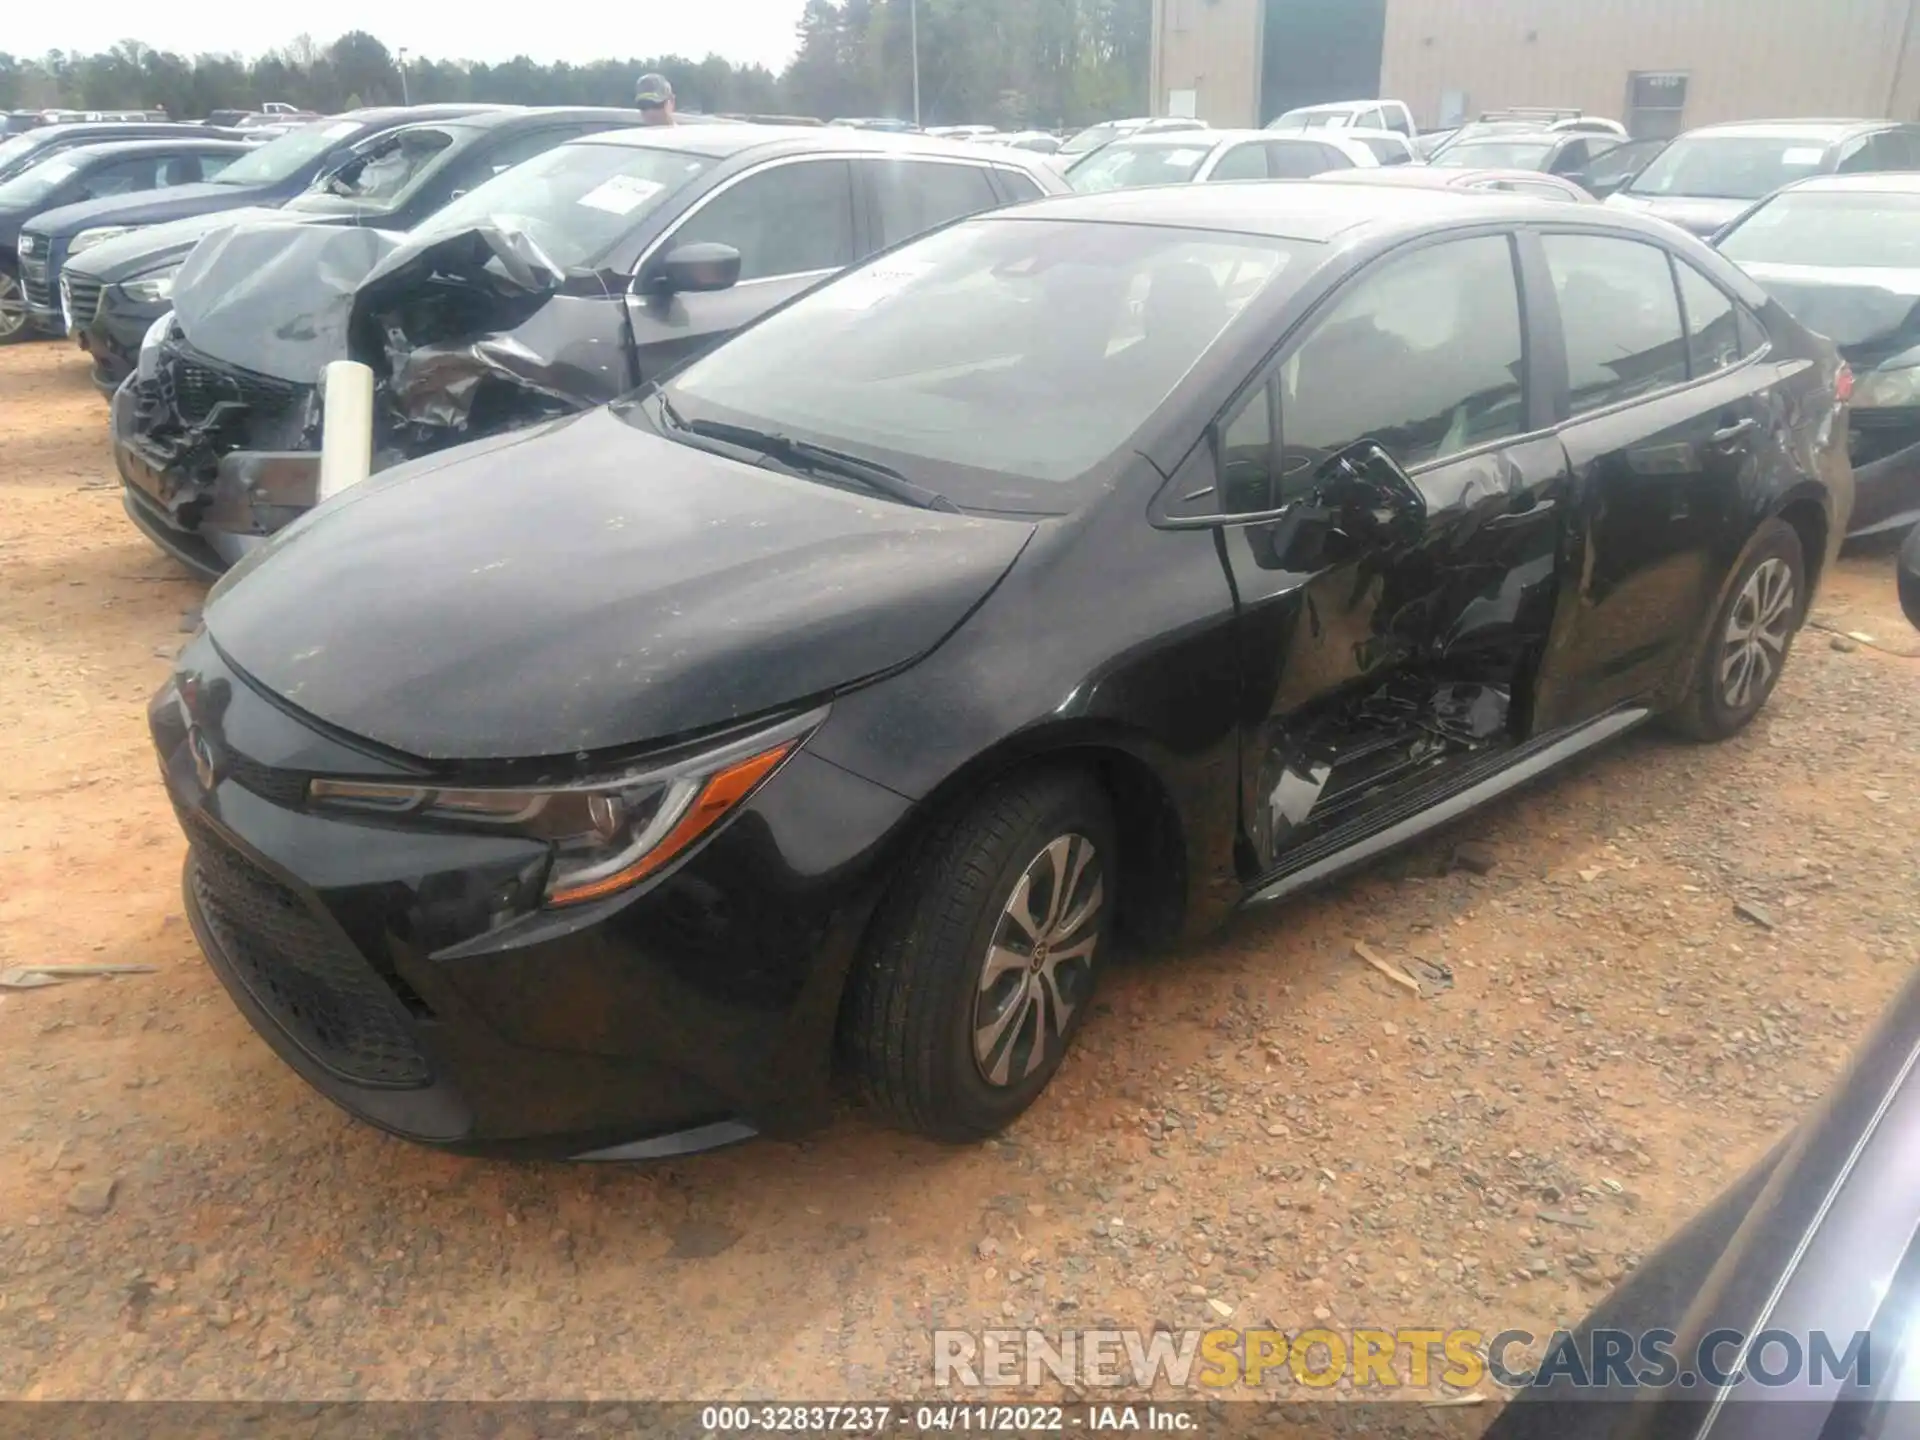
(14, 324)
(1747, 649)
(982, 962)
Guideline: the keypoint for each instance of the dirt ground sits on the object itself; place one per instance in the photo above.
(1261, 1121)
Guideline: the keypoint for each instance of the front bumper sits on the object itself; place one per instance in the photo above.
(207, 523)
(694, 1010)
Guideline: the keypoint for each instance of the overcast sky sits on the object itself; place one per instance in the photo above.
(743, 31)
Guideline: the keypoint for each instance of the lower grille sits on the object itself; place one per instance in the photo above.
(321, 992)
(198, 387)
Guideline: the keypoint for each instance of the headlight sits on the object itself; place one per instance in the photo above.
(606, 835)
(87, 239)
(151, 288)
(149, 362)
(1887, 389)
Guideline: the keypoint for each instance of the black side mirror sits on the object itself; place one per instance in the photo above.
(1910, 577)
(1367, 487)
(703, 266)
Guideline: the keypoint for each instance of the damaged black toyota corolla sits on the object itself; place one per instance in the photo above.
(569, 280)
(1090, 569)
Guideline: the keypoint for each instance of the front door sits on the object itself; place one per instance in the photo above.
(1373, 668)
(1666, 416)
(793, 224)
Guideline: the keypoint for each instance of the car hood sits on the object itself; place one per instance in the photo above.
(587, 585)
(1870, 314)
(1702, 217)
(152, 246)
(151, 207)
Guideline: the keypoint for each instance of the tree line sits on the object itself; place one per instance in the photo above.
(1011, 63)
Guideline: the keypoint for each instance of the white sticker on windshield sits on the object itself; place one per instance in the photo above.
(1184, 157)
(1803, 155)
(874, 284)
(621, 194)
(343, 129)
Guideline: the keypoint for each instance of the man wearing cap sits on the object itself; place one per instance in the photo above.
(654, 96)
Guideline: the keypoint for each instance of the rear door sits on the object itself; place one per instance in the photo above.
(792, 222)
(1245, 161)
(905, 197)
(1667, 404)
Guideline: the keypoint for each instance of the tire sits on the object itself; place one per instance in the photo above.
(980, 885)
(1736, 675)
(15, 324)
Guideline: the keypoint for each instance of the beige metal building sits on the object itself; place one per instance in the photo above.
(1659, 65)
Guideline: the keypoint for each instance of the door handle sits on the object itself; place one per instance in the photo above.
(1734, 432)
(1513, 519)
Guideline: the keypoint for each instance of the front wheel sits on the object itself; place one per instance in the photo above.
(1747, 649)
(15, 323)
(981, 965)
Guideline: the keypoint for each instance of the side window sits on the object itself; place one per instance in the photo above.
(1019, 187)
(1295, 159)
(1891, 150)
(1713, 335)
(177, 170)
(1856, 157)
(212, 165)
(1621, 315)
(1753, 335)
(1247, 459)
(509, 153)
(1242, 162)
(1424, 355)
(790, 220)
(1572, 158)
(122, 177)
(914, 196)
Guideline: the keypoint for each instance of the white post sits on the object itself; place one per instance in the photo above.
(346, 427)
(913, 13)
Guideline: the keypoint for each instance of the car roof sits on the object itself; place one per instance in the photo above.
(721, 142)
(113, 149)
(1441, 177)
(1791, 129)
(399, 114)
(1352, 132)
(535, 115)
(1338, 107)
(1885, 182)
(1304, 209)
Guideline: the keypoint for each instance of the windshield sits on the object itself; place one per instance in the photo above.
(1495, 155)
(1830, 230)
(11, 150)
(1730, 167)
(381, 177)
(1014, 355)
(38, 181)
(285, 157)
(1124, 166)
(576, 200)
(1092, 138)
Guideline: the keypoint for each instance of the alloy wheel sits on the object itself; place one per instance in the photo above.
(1758, 632)
(13, 306)
(1039, 965)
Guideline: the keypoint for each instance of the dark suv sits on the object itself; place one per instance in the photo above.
(560, 285)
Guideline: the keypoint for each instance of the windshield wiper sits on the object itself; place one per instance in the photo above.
(809, 458)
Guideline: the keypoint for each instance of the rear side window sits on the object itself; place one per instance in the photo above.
(1424, 355)
(790, 220)
(1713, 332)
(915, 196)
(1621, 315)
(1242, 162)
(1301, 159)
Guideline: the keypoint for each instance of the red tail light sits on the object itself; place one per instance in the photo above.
(1843, 384)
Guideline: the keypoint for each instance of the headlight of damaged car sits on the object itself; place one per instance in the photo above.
(606, 835)
(151, 288)
(87, 239)
(148, 364)
(1887, 389)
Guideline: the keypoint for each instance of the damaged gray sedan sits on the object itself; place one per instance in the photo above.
(557, 286)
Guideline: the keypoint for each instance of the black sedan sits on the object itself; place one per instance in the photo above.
(1843, 254)
(20, 151)
(1093, 568)
(269, 174)
(559, 285)
(391, 181)
(85, 172)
